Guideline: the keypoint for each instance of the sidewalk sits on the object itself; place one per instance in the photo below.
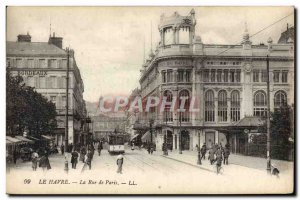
(191, 157)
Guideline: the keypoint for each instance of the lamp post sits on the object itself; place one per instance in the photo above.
(151, 136)
(67, 112)
(179, 136)
(268, 120)
(199, 156)
(166, 141)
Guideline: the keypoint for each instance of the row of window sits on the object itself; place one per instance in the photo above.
(60, 101)
(260, 105)
(51, 82)
(181, 76)
(222, 63)
(222, 75)
(222, 106)
(36, 63)
(278, 76)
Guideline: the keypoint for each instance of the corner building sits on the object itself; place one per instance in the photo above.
(43, 65)
(228, 83)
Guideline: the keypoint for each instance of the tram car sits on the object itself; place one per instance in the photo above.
(116, 143)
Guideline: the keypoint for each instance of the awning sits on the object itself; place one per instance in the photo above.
(133, 137)
(146, 137)
(14, 140)
(47, 137)
(33, 138)
(24, 139)
(8, 142)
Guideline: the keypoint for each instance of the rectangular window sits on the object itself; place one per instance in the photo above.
(42, 63)
(232, 78)
(53, 100)
(188, 76)
(206, 76)
(238, 75)
(42, 82)
(284, 77)
(180, 75)
(63, 101)
(52, 82)
(276, 76)
(163, 73)
(19, 63)
(30, 63)
(8, 62)
(30, 81)
(264, 76)
(255, 76)
(226, 76)
(212, 75)
(219, 76)
(52, 63)
(169, 76)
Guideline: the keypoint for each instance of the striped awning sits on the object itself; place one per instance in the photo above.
(24, 139)
(14, 140)
(47, 137)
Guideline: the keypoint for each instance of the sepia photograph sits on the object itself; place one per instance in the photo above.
(161, 100)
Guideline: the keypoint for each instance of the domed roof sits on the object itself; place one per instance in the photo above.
(177, 20)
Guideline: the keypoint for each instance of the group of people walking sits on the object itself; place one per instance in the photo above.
(41, 161)
(216, 154)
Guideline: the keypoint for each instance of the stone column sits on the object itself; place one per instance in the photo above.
(174, 35)
(228, 108)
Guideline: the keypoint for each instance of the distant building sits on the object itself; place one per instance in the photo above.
(287, 37)
(103, 125)
(228, 83)
(43, 66)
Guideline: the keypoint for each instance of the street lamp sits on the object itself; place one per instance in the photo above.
(268, 120)
(179, 136)
(67, 111)
(199, 156)
(166, 140)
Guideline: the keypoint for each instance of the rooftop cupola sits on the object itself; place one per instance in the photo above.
(246, 37)
(177, 29)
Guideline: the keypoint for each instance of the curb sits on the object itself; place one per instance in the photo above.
(197, 166)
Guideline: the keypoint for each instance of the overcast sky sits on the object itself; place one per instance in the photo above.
(108, 41)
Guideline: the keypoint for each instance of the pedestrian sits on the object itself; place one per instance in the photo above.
(87, 160)
(99, 149)
(44, 162)
(211, 156)
(82, 153)
(218, 160)
(226, 154)
(151, 149)
(62, 149)
(74, 159)
(120, 160)
(34, 160)
(132, 146)
(203, 151)
(71, 147)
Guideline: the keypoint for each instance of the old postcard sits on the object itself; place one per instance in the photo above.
(150, 100)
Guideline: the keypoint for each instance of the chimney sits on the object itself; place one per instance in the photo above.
(24, 38)
(57, 41)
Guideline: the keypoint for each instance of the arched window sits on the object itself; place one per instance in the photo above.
(209, 106)
(222, 106)
(168, 114)
(280, 99)
(184, 105)
(260, 104)
(235, 106)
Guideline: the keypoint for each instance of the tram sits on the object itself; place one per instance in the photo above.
(116, 143)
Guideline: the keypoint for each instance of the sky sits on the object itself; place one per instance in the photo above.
(109, 41)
